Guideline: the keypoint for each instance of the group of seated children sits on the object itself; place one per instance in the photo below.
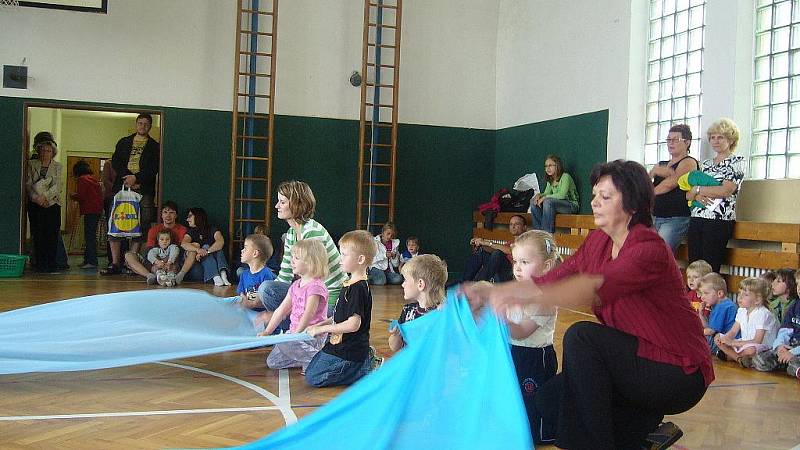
(764, 331)
(388, 262)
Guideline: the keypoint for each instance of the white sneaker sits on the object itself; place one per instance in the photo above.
(224, 275)
(218, 281)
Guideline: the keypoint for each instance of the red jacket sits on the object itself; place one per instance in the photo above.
(90, 196)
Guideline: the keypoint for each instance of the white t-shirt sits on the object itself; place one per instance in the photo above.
(543, 336)
(759, 319)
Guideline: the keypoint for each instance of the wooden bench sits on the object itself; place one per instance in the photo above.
(754, 248)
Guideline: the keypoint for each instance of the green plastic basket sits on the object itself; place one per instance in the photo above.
(12, 266)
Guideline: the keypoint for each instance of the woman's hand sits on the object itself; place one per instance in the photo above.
(703, 199)
(535, 199)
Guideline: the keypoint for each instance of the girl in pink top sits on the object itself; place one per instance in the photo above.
(306, 304)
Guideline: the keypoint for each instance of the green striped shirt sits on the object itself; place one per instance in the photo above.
(313, 230)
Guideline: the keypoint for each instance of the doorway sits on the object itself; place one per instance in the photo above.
(82, 133)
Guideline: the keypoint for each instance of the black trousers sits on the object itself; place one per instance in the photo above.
(708, 240)
(45, 228)
(534, 367)
(606, 397)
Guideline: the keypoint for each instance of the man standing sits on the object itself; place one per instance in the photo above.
(135, 162)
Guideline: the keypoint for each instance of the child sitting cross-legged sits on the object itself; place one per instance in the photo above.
(346, 357)
(757, 325)
(423, 284)
(784, 293)
(306, 304)
(785, 352)
(714, 294)
(412, 250)
(256, 251)
(532, 328)
(162, 258)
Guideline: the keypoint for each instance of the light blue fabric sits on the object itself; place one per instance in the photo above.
(452, 386)
(125, 328)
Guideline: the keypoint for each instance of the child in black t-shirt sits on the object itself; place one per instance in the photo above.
(346, 356)
(424, 277)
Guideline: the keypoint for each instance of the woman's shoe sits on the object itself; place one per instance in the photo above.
(663, 437)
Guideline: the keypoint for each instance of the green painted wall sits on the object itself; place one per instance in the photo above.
(580, 141)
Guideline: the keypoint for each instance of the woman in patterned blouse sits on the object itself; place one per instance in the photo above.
(711, 226)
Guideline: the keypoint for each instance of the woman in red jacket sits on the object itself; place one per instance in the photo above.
(90, 198)
(647, 357)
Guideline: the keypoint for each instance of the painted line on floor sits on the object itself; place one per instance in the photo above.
(764, 383)
(141, 413)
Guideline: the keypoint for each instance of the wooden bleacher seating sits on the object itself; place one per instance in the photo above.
(755, 246)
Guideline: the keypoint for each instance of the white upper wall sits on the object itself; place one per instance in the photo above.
(174, 53)
(560, 58)
(181, 53)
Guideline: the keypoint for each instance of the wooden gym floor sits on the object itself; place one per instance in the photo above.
(232, 398)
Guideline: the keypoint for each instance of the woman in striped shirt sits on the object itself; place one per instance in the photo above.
(296, 205)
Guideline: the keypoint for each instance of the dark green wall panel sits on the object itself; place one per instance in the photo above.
(580, 141)
(443, 173)
(10, 181)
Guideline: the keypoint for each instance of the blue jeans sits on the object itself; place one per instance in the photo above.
(272, 294)
(212, 264)
(672, 230)
(329, 370)
(544, 217)
(380, 277)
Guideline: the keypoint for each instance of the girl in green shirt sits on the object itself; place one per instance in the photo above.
(560, 196)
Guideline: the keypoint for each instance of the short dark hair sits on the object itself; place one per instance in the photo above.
(685, 131)
(631, 180)
(81, 168)
(524, 220)
(169, 204)
(145, 116)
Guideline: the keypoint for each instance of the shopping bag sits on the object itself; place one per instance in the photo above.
(527, 182)
(126, 213)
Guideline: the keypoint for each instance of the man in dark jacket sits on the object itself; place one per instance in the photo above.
(136, 161)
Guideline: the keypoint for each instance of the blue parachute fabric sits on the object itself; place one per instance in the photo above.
(123, 329)
(452, 386)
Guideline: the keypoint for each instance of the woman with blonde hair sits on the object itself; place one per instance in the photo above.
(711, 226)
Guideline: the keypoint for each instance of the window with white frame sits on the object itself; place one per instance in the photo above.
(674, 70)
(775, 144)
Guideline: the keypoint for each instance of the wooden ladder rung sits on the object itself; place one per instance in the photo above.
(377, 145)
(383, 6)
(379, 124)
(370, 44)
(380, 65)
(255, 53)
(252, 158)
(252, 116)
(378, 164)
(375, 204)
(251, 179)
(259, 138)
(252, 74)
(236, 219)
(381, 85)
(380, 105)
(259, 33)
(243, 94)
(381, 25)
(255, 11)
(251, 200)
(377, 184)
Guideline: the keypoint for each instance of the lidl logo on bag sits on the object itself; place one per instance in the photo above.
(125, 216)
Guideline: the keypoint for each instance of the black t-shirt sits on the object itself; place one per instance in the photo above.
(412, 311)
(353, 299)
(672, 203)
(202, 237)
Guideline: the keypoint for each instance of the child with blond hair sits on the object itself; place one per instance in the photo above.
(256, 251)
(694, 272)
(424, 277)
(306, 304)
(755, 322)
(347, 356)
(714, 293)
(385, 268)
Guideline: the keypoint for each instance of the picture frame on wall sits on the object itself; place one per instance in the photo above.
(94, 6)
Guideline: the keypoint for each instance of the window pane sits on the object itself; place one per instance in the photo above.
(654, 51)
(777, 142)
(795, 63)
(758, 168)
(780, 40)
(652, 112)
(793, 167)
(669, 6)
(652, 92)
(780, 65)
(795, 12)
(696, 17)
(693, 84)
(794, 141)
(655, 9)
(764, 18)
(663, 152)
(779, 117)
(681, 5)
(761, 94)
(780, 90)
(760, 141)
(654, 71)
(694, 124)
(651, 154)
(668, 26)
(696, 39)
(681, 42)
(667, 46)
(693, 107)
(761, 118)
(651, 135)
(664, 110)
(762, 44)
(762, 68)
(682, 21)
(666, 68)
(655, 29)
(680, 64)
(666, 88)
(695, 61)
(679, 86)
(795, 36)
(776, 167)
(678, 108)
(794, 115)
(783, 14)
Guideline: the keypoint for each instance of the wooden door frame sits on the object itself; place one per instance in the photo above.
(24, 153)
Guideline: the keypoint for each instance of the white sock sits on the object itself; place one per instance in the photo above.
(224, 275)
(217, 281)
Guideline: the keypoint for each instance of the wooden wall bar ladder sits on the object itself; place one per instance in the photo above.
(380, 68)
(253, 119)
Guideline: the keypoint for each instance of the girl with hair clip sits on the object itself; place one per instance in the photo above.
(306, 304)
(533, 326)
(784, 293)
(757, 326)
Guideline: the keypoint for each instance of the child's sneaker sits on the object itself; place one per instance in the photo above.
(169, 279)
(721, 355)
(765, 361)
(151, 279)
(375, 361)
(745, 361)
(663, 437)
(793, 368)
